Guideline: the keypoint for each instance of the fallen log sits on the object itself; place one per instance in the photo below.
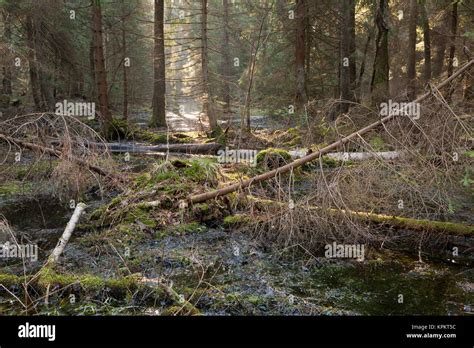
(47, 277)
(198, 149)
(290, 166)
(56, 153)
(71, 225)
(351, 156)
(396, 221)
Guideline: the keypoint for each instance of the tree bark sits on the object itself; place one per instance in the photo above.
(301, 97)
(411, 52)
(380, 76)
(124, 67)
(101, 73)
(44, 77)
(364, 60)
(427, 43)
(93, 86)
(208, 105)
(352, 47)
(159, 85)
(440, 37)
(452, 41)
(32, 63)
(7, 68)
(71, 225)
(345, 56)
(227, 61)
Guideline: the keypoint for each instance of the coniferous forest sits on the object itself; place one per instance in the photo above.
(236, 158)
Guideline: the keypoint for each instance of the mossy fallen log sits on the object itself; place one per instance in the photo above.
(395, 221)
(47, 278)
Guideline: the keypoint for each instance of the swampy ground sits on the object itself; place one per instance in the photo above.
(217, 264)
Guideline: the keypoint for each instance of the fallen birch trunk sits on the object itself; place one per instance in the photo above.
(71, 225)
(290, 166)
(351, 156)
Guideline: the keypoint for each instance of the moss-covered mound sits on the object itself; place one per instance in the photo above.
(273, 158)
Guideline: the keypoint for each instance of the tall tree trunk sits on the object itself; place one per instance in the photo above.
(159, 85)
(411, 52)
(452, 41)
(124, 66)
(352, 47)
(93, 86)
(468, 93)
(301, 97)
(345, 85)
(32, 63)
(440, 39)
(245, 115)
(101, 73)
(227, 61)
(309, 34)
(380, 85)
(426, 43)
(208, 105)
(44, 76)
(363, 61)
(7, 68)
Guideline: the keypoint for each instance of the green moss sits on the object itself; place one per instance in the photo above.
(256, 300)
(174, 310)
(294, 142)
(143, 179)
(181, 229)
(201, 169)
(469, 154)
(123, 130)
(329, 162)
(377, 143)
(140, 214)
(14, 187)
(238, 219)
(202, 208)
(11, 279)
(48, 276)
(293, 131)
(177, 181)
(273, 158)
(98, 213)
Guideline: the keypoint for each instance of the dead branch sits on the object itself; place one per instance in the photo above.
(289, 167)
(56, 153)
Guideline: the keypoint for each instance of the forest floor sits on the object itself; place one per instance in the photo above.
(222, 271)
(209, 254)
(216, 263)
